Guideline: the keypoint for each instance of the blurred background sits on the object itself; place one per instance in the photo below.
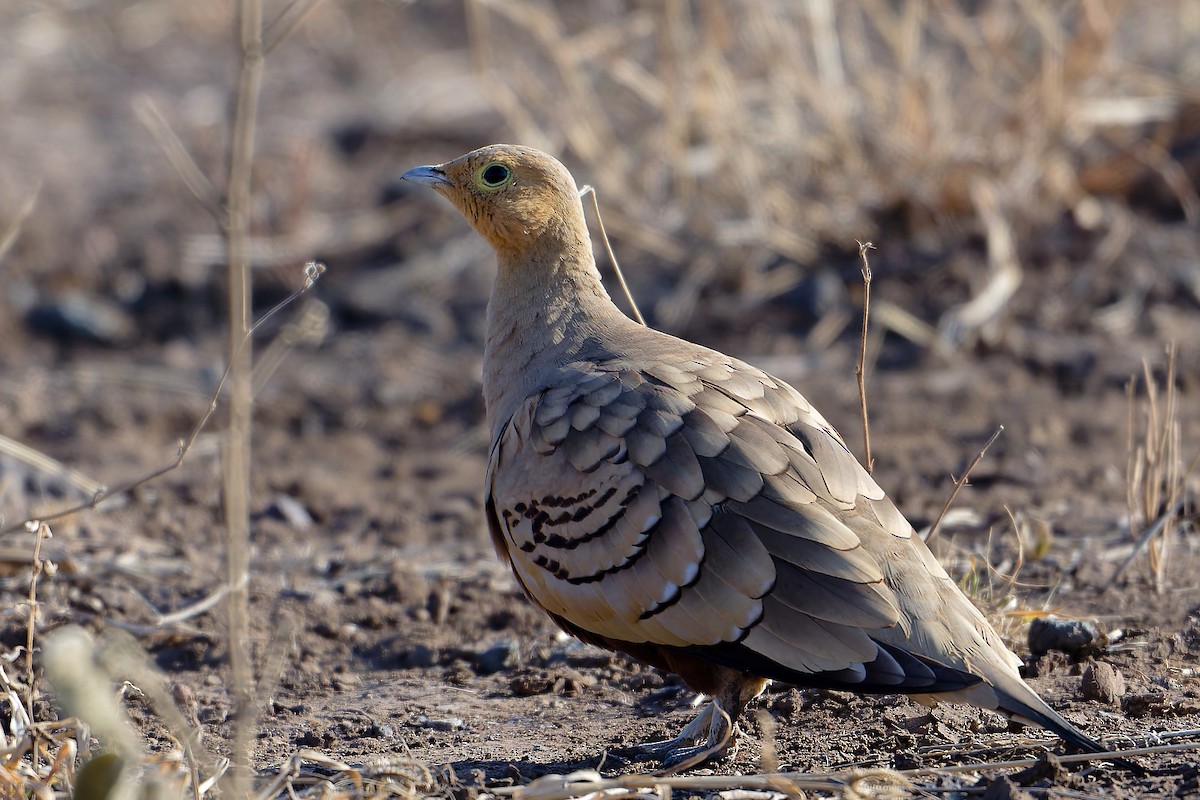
(1026, 170)
(1005, 157)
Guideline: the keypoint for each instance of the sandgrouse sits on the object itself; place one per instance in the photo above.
(676, 504)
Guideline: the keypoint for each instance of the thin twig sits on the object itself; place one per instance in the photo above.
(41, 531)
(1065, 758)
(961, 482)
(612, 257)
(861, 372)
(1151, 531)
(312, 272)
(153, 629)
(1016, 569)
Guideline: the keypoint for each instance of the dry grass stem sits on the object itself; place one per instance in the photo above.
(858, 783)
(29, 692)
(978, 315)
(1019, 526)
(1155, 531)
(768, 759)
(1155, 474)
(612, 257)
(310, 326)
(235, 468)
(861, 371)
(212, 600)
(801, 120)
(38, 567)
(13, 229)
(387, 776)
(892, 317)
(179, 157)
(50, 466)
(961, 482)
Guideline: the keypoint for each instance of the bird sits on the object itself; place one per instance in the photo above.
(667, 501)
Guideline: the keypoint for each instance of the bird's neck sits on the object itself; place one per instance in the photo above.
(548, 307)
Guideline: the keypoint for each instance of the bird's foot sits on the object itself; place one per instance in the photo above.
(704, 738)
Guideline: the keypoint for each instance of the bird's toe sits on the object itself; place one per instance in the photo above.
(703, 739)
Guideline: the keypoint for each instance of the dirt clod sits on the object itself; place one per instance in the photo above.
(1048, 771)
(1072, 636)
(1102, 683)
(1003, 788)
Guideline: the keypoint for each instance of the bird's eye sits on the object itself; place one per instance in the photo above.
(493, 176)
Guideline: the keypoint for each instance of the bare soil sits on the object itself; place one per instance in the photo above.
(382, 620)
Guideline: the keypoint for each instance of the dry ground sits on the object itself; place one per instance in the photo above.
(381, 619)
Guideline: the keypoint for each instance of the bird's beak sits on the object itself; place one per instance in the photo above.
(429, 176)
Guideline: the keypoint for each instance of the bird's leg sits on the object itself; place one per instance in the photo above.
(710, 734)
(705, 737)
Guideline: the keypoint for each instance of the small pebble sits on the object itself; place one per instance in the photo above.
(443, 724)
(1102, 683)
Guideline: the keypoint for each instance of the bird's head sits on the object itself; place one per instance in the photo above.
(514, 196)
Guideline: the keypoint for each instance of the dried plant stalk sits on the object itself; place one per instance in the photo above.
(1155, 473)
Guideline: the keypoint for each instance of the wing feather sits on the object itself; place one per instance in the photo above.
(704, 506)
(678, 471)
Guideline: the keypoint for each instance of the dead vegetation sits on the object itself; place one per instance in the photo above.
(776, 131)
(1158, 474)
(748, 144)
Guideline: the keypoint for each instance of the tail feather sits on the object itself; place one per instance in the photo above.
(1051, 720)
(1035, 712)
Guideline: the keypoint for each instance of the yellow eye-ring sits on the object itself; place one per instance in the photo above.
(494, 175)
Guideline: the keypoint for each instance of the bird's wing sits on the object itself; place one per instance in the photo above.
(702, 505)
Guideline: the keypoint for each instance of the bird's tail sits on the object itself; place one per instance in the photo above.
(1025, 706)
(1046, 717)
(1009, 695)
